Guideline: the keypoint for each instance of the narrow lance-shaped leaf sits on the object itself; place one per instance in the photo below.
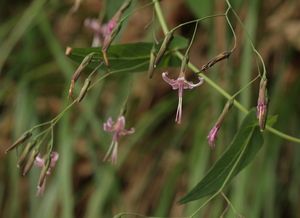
(246, 143)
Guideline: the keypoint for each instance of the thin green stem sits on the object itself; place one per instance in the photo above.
(212, 83)
(192, 40)
(248, 35)
(231, 205)
(196, 21)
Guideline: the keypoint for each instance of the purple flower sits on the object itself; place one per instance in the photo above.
(118, 130)
(180, 83)
(212, 136)
(40, 163)
(101, 31)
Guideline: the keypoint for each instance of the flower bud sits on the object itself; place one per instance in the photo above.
(27, 149)
(30, 161)
(44, 172)
(108, 40)
(262, 104)
(216, 59)
(19, 141)
(151, 63)
(212, 136)
(164, 46)
(84, 90)
(85, 62)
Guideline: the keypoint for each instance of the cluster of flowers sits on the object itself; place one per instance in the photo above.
(104, 35)
(31, 156)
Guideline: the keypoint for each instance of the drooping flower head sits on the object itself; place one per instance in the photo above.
(180, 83)
(213, 133)
(212, 136)
(118, 130)
(46, 169)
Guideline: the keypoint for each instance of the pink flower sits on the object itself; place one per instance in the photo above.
(101, 31)
(180, 83)
(40, 163)
(212, 136)
(118, 130)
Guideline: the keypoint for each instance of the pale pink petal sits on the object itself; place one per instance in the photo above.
(120, 124)
(127, 132)
(190, 85)
(93, 24)
(39, 161)
(54, 159)
(171, 82)
(108, 126)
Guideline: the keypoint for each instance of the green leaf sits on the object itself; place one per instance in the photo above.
(132, 57)
(246, 143)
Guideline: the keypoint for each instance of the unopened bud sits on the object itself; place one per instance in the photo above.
(84, 90)
(85, 62)
(164, 46)
(30, 161)
(27, 149)
(212, 136)
(216, 59)
(151, 63)
(44, 172)
(108, 40)
(19, 141)
(262, 104)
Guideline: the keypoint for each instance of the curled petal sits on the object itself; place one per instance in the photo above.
(108, 126)
(128, 132)
(190, 85)
(171, 82)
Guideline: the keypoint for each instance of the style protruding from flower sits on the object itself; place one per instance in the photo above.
(262, 104)
(180, 83)
(46, 164)
(118, 130)
(213, 133)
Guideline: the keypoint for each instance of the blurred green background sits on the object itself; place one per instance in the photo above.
(161, 161)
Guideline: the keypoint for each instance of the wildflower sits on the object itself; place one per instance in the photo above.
(213, 133)
(101, 31)
(180, 83)
(118, 130)
(47, 165)
(262, 104)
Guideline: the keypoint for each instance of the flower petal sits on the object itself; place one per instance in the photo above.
(171, 82)
(191, 85)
